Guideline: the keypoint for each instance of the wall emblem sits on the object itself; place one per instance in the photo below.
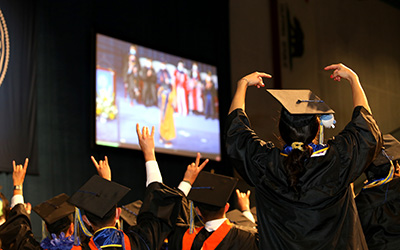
(4, 48)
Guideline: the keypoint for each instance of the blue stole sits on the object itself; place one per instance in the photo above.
(109, 237)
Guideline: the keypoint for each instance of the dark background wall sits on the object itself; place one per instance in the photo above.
(64, 64)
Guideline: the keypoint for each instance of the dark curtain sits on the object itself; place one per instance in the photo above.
(18, 91)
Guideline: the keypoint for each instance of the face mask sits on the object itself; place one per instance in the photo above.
(180, 67)
(132, 52)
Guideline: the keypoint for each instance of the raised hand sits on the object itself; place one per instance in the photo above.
(19, 172)
(194, 169)
(256, 79)
(103, 168)
(243, 200)
(253, 79)
(341, 71)
(146, 142)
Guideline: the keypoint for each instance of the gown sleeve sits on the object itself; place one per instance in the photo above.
(16, 232)
(245, 149)
(358, 144)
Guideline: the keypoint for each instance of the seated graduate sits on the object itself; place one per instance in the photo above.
(58, 216)
(98, 198)
(211, 204)
(208, 198)
(378, 203)
(16, 232)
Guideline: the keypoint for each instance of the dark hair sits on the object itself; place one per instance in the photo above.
(5, 207)
(105, 220)
(297, 128)
(210, 212)
(61, 225)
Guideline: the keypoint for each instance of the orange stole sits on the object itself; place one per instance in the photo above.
(211, 242)
(126, 241)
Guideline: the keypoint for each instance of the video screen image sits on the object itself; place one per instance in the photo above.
(176, 95)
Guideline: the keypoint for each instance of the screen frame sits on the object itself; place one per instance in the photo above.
(222, 99)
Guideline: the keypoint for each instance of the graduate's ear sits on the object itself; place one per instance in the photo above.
(117, 213)
(70, 230)
(85, 219)
(227, 207)
(198, 211)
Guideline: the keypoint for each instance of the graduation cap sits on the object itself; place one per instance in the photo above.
(300, 101)
(212, 189)
(237, 217)
(54, 209)
(383, 168)
(392, 150)
(130, 212)
(98, 195)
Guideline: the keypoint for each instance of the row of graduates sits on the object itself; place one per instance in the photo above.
(316, 211)
(164, 220)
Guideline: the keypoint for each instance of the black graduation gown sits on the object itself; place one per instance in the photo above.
(16, 232)
(238, 237)
(324, 216)
(379, 211)
(157, 217)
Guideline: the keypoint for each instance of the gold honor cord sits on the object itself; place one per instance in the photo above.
(382, 181)
(78, 223)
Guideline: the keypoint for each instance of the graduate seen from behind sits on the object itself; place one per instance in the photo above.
(16, 232)
(58, 216)
(210, 193)
(208, 198)
(378, 202)
(303, 191)
(98, 199)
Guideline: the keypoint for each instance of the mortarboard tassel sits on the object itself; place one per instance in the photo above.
(78, 223)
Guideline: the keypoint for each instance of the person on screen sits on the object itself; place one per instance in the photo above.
(181, 82)
(131, 70)
(195, 91)
(303, 191)
(210, 93)
(166, 98)
(149, 78)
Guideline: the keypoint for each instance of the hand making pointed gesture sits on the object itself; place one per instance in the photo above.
(18, 176)
(103, 168)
